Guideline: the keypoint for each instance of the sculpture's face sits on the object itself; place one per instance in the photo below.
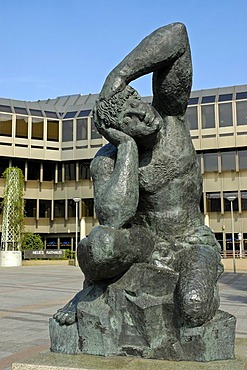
(138, 119)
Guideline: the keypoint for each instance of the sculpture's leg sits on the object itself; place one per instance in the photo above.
(107, 252)
(197, 294)
(103, 257)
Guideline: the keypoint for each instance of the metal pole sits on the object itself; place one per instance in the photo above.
(233, 242)
(76, 200)
(76, 232)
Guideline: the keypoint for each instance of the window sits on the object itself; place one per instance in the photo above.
(84, 170)
(67, 133)
(193, 101)
(33, 171)
(227, 203)
(210, 162)
(71, 208)
(213, 202)
(5, 125)
(225, 97)
(241, 95)
(84, 113)
(70, 114)
(69, 171)
(30, 207)
(94, 132)
(208, 99)
(21, 126)
(81, 129)
(44, 208)
(20, 163)
(208, 118)
(225, 115)
(87, 207)
(37, 128)
(50, 114)
(48, 171)
(52, 130)
(191, 116)
(219, 238)
(228, 161)
(244, 200)
(241, 112)
(5, 108)
(36, 112)
(59, 208)
(20, 110)
(4, 163)
(242, 154)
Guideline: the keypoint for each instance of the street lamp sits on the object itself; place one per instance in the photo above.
(76, 200)
(231, 200)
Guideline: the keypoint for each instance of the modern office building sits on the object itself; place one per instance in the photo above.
(53, 142)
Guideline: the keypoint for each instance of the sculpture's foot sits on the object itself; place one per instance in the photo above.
(66, 315)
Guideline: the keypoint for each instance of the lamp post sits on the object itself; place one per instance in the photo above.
(231, 200)
(76, 200)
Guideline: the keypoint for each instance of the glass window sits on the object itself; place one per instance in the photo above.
(193, 101)
(37, 128)
(208, 118)
(225, 97)
(84, 170)
(20, 110)
(242, 154)
(48, 171)
(87, 207)
(59, 170)
(69, 171)
(50, 114)
(191, 116)
(44, 208)
(241, 112)
(210, 162)
(94, 132)
(244, 200)
(21, 126)
(71, 208)
(241, 95)
(59, 208)
(67, 133)
(4, 163)
(213, 202)
(33, 170)
(20, 163)
(84, 113)
(52, 130)
(228, 161)
(225, 115)
(81, 129)
(5, 125)
(30, 207)
(70, 114)
(208, 99)
(5, 108)
(36, 112)
(219, 238)
(227, 202)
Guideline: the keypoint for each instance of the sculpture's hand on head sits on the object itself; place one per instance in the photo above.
(114, 83)
(114, 136)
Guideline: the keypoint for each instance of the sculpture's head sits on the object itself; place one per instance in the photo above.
(126, 112)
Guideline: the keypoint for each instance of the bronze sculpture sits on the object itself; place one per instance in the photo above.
(151, 255)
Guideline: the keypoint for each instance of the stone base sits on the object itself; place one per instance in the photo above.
(59, 361)
(137, 317)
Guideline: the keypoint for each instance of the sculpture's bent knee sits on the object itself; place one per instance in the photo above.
(104, 253)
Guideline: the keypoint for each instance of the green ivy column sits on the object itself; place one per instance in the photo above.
(13, 209)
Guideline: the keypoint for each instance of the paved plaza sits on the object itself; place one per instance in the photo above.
(29, 296)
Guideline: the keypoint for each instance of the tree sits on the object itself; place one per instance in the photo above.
(31, 241)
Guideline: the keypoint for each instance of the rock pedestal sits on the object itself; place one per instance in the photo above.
(138, 317)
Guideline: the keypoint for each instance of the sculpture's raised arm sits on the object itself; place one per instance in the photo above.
(166, 52)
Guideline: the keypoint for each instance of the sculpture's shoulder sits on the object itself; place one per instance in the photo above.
(103, 162)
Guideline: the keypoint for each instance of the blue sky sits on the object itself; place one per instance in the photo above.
(50, 48)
